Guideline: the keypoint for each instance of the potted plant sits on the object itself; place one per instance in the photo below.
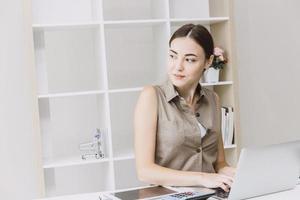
(211, 75)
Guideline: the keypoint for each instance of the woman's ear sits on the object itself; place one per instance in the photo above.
(209, 62)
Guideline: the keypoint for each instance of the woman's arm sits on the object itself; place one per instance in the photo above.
(145, 124)
(221, 162)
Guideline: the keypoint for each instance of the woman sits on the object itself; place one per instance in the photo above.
(177, 124)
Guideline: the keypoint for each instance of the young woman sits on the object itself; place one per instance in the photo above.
(177, 124)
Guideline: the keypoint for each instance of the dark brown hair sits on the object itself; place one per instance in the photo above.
(199, 34)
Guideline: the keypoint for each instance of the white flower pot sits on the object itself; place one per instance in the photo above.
(211, 75)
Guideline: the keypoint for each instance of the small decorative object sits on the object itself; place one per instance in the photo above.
(92, 149)
(211, 75)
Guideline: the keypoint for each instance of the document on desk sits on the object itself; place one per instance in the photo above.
(140, 193)
(159, 192)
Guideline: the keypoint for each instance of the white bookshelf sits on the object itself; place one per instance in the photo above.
(65, 26)
(93, 58)
(66, 94)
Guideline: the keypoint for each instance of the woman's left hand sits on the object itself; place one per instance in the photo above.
(228, 171)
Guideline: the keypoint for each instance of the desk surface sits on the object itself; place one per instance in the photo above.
(289, 194)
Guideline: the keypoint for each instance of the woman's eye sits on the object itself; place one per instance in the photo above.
(190, 60)
(172, 56)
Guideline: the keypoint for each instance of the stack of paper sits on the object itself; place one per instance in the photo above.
(227, 126)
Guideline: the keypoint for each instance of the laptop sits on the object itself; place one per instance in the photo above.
(265, 170)
(260, 171)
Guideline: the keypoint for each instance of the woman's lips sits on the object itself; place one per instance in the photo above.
(177, 76)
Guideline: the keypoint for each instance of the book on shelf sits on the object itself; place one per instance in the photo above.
(227, 125)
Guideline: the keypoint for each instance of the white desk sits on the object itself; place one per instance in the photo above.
(289, 195)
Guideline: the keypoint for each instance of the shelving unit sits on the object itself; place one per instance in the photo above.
(92, 59)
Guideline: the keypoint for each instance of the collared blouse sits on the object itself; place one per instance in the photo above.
(179, 144)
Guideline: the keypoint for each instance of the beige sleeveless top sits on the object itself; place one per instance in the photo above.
(179, 144)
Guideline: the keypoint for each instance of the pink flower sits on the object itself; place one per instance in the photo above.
(219, 58)
(218, 51)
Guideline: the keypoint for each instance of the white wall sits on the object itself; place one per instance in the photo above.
(268, 48)
(21, 175)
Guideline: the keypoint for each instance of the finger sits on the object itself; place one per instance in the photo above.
(223, 186)
(225, 179)
(227, 182)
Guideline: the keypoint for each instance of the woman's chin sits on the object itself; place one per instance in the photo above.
(178, 81)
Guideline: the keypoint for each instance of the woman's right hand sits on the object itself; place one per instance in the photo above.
(214, 180)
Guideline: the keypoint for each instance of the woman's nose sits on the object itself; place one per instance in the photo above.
(179, 65)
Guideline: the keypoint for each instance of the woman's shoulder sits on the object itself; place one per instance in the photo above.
(148, 93)
(148, 90)
(146, 100)
(153, 90)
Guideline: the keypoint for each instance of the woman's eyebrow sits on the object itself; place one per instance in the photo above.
(173, 51)
(189, 54)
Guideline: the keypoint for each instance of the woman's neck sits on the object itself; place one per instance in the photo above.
(188, 93)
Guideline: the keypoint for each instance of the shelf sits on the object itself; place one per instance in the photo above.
(203, 21)
(71, 161)
(65, 162)
(65, 26)
(92, 59)
(69, 94)
(217, 83)
(129, 157)
(72, 94)
(230, 146)
(59, 26)
(126, 90)
(134, 22)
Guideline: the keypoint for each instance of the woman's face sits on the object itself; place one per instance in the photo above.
(186, 62)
